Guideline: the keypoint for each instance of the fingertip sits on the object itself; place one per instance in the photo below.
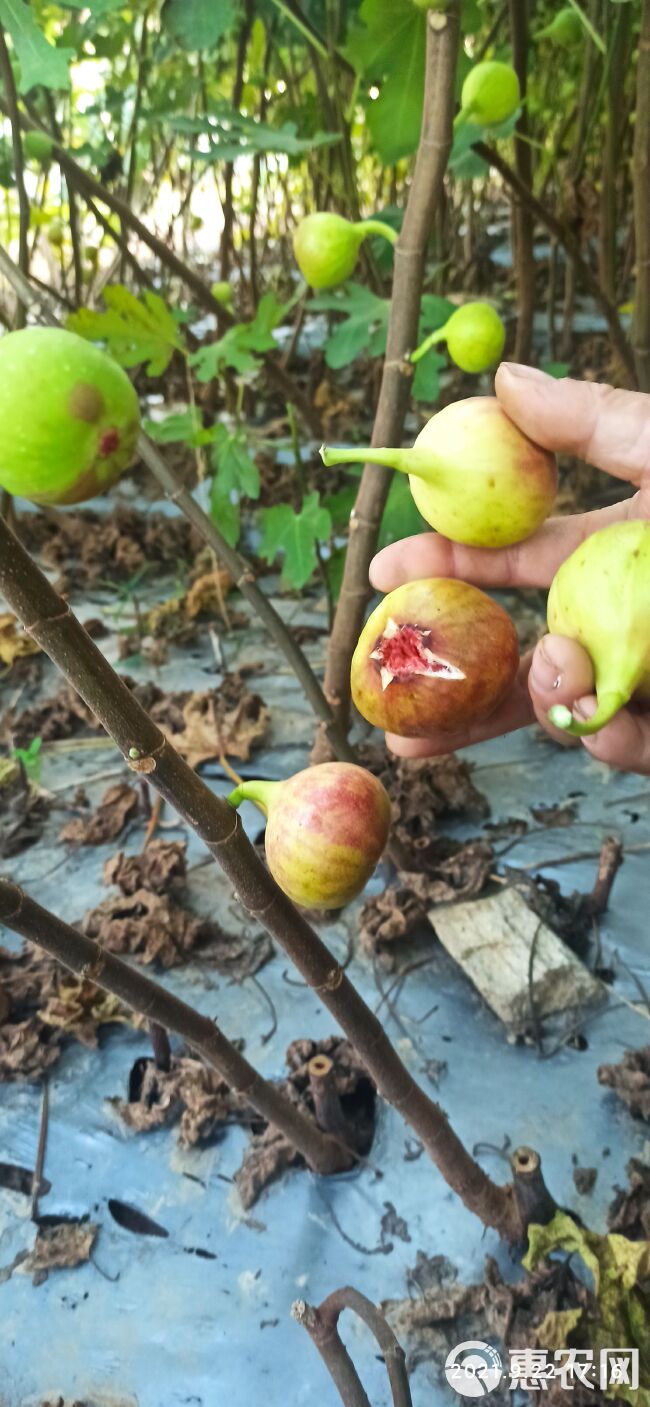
(410, 747)
(561, 671)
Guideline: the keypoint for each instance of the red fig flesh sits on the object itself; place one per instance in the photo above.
(326, 829)
(435, 654)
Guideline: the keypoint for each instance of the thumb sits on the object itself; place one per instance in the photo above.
(561, 672)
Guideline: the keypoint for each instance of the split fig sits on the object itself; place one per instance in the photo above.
(326, 246)
(326, 829)
(600, 596)
(489, 95)
(69, 417)
(474, 475)
(435, 654)
(475, 337)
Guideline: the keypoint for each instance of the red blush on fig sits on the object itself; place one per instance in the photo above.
(109, 442)
(405, 650)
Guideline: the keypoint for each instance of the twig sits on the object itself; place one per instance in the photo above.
(642, 205)
(609, 862)
(40, 1151)
(8, 83)
(322, 1326)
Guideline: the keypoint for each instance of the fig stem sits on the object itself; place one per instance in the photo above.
(421, 462)
(261, 793)
(377, 227)
(608, 705)
(464, 115)
(439, 335)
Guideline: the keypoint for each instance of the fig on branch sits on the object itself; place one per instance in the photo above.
(474, 475)
(326, 246)
(326, 829)
(475, 337)
(601, 597)
(69, 414)
(489, 95)
(435, 654)
(222, 291)
(37, 146)
(566, 29)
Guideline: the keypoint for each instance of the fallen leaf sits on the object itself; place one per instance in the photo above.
(132, 1219)
(630, 1080)
(207, 594)
(118, 805)
(23, 812)
(213, 726)
(15, 643)
(27, 1050)
(149, 927)
(161, 868)
(60, 1244)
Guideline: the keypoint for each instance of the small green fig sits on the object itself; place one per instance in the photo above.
(223, 293)
(600, 596)
(37, 146)
(69, 417)
(326, 246)
(435, 654)
(474, 475)
(565, 29)
(489, 95)
(475, 337)
(325, 832)
(56, 233)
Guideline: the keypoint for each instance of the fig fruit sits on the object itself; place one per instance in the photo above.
(474, 475)
(600, 596)
(326, 246)
(489, 95)
(326, 829)
(223, 293)
(69, 417)
(37, 146)
(56, 234)
(475, 337)
(565, 29)
(435, 654)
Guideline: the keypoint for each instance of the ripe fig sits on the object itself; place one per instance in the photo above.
(489, 95)
(37, 146)
(474, 475)
(325, 832)
(69, 417)
(600, 596)
(565, 29)
(475, 337)
(435, 654)
(326, 246)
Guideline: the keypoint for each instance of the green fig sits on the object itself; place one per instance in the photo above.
(600, 596)
(37, 146)
(565, 29)
(475, 337)
(326, 246)
(474, 475)
(56, 233)
(325, 832)
(69, 417)
(223, 293)
(489, 95)
(435, 654)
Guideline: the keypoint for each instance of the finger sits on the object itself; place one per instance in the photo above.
(515, 712)
(561, 671)
(624, 743)
(530, 563)
(607, 427)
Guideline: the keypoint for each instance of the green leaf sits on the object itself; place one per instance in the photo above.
(135, 330)
(233, 134)
(97, 7)
(225, 514)
(295, 535)
(389, 50)
(556, 369)
(198, 24)
(426, 382)
(236, 470)
(401, 518)
(184, 427)
(239, 344)
(40, 62)
(365, 326)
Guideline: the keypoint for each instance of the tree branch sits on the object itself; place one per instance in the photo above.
(642, 205)
(8, 83)
(322, 1326)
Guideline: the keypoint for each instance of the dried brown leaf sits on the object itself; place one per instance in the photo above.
(118, 806)
(61, 1245)
(27, 1050)
(161, 868)
(23, 811)
(630, 1080)
(207, 594)
(149, 927)
(15, 643)
(213, 726)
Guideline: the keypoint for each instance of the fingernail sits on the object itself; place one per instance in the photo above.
(526, 373)
(546, 672)
(584, 708)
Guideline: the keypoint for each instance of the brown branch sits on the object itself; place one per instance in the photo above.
(322, 1326)
(11, 98)
(522, 221)
(641, 167)
(410, 256)
(609, 863)
(148, 752)
(229, 166)
(327, 1105)
(88, 186)
(240, 570)
(89, 960)
(536, 1205)
(571, 244)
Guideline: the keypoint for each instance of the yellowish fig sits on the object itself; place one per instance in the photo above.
(601, 597)
(326, 246)
(474, 475)
(489, 95)
(475, 337)
(326, 829)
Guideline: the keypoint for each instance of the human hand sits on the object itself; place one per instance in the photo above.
(610, 429)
